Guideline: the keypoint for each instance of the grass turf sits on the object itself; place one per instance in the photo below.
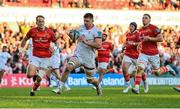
(85, 97)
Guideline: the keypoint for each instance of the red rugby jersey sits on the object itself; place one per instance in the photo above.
(41, 40)
(149, 47)
(104, 52)
(131, 50)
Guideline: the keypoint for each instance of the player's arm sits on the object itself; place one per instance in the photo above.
(158, 38)
(55, 41)
(112, 47)
(97, 43)
(24, 40)
(123, 46)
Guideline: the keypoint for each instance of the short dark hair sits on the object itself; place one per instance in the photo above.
(134, 24)
(40, 16)
(88, 15)
(4, 46)
(147, 15)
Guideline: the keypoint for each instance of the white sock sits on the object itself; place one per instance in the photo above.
(66, 85)
(127, 83)
(61, 84)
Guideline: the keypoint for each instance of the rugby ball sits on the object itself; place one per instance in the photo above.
(74, 35)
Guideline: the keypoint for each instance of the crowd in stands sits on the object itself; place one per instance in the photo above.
(12, 36)
(98, 4)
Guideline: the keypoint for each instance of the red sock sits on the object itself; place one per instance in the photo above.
(163, 70)
(144, 76)
(127, 77)
(178, 86)
(35, 86)
(138, 79)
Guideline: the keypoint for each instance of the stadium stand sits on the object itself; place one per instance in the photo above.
(99, 4)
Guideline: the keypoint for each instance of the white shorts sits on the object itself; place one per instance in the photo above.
(133, 62)
(129, 59)
(144, 59)
(3, 67)
(103, 65)
(55, 61)
(40, 62)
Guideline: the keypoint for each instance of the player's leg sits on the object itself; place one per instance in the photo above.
(33, 67)
(90, 79)
(126, 63)
(157, 70)
(43, 64)
(145, 82)
(141, 65)
(3, 69)
(102, 69)
(101, 73)
(71, 64)
(177, 88)
(31, 72)
(1, 75)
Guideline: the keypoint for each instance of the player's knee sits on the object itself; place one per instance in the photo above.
(124, 69)
(157, 72)
(70, 67)
(140, 70)
(101, 71)
(29, 75)
(89, 80)
(38, 79)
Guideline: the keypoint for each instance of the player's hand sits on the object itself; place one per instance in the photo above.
(51, 49)
(83, 39)
(71, 33)
(139, 47)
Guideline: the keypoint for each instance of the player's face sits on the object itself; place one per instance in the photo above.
(131, 28)
(40, 22)
(146, 20)
(88, 22)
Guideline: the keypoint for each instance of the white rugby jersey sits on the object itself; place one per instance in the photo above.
(4, 56)
(82, 50)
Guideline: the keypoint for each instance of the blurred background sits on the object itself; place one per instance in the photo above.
(111, 16)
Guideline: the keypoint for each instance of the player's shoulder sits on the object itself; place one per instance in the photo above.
(137, 32)
(33, 29)
(95, 28)
(127, 33)
(152, 26)
(49, 29)
(81, 28)
(108, 42)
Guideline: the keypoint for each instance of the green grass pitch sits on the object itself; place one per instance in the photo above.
(85, 97)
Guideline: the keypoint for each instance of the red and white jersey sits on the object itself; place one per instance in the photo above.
(41, 41)
(149, 47)
(104, 52)
(131, 50)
